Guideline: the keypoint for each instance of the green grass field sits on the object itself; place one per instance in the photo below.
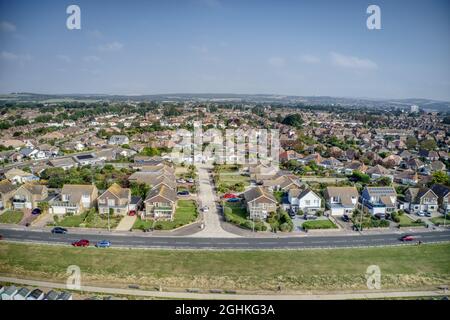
(11, 216)
(439, 221)
(319, 224)
(406, 221)
(88, 219)
(185, 213)
(403, 267)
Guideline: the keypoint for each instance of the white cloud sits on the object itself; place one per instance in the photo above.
(309, 59)
(277, 62)
(113, 46)
(6, 26)
(351, 62)
(64, 58)
(91, 59)
(9, 56)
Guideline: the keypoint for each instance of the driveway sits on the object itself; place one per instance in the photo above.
(207, 197)
(126, 223)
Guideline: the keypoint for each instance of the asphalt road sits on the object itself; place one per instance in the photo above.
(149, 241)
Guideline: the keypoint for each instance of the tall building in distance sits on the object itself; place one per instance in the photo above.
(414, 108)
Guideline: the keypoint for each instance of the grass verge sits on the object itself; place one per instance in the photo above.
(402, 267)
(11, 216)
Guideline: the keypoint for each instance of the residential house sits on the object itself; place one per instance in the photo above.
(74, 198)
(118, 140)
(9, 293)
(65, 163)
(18, 176)
(420, 199)
(379, 171)
(379, 200)
(341, 200)
(283, 183)
(22, 294)
(86, 159)
(116, 198)
(6, 193)
(443, 193)
(305, 200)
(407, 177)
(160, 203)
(331, 163)
(354, 165)
(28, 195)
(260, 202)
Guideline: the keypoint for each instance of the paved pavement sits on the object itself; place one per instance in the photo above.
(374, 294)
(145, 240)
(206, 197)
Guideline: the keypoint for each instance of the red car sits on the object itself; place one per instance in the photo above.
(81, 243)
(229, 196)
(132, 213)
(407, 238)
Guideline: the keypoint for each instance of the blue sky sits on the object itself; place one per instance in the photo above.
(226, 46)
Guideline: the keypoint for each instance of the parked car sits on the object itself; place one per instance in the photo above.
(103, 244)
(59, 230)
(309, 217)
(36, 211)
(427, 214)
(229, 196)
(132, 213)
(345, 218)
(183, 193)
(81, 243)
(292, 214)
(1, 237)
(181, 181)
(421, 214)
(407, 237)
(190, 180)
(233, 200)
(205, 209)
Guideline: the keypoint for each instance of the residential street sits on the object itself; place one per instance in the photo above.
(212, 226)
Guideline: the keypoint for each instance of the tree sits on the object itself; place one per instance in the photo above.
(428, 144)
(44, 206)
(294, 120)
(440, 177)
(360, 177)
(411, 142)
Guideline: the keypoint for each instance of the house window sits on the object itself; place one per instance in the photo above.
(111, 202)
(307, 202)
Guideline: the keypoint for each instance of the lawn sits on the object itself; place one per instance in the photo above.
(319, 224)
(232, 179)
(88, 219)
(237, 213)
(406, 221)
(402, 267)
(11, 216)
(185, 213)
(440, 221)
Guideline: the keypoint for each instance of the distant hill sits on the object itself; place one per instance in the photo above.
(426, 104)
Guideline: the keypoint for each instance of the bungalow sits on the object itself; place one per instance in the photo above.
(429, 155)
(379, 171)
(29, 195)
(407, 177)
(36, 294)
(153, 179)
(22, 294)
(161, 203)
(65, 163)
(289, 155)
(18, 176)
(443, 193)
(354, 165)
(74, 198)
(379, 200)
(260, 203)
(331, 163)
(6, 193)
(341, 200)
(9, 293)
(116, 198)
(283, 183)
(86, 159)
(420, 199)
(305, 200)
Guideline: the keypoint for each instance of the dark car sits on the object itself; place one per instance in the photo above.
(36, 211)
(309, 217)
(1, 237)
(233, 200)
(292, 214)
(81, 243)
(345, 218)
(103, 244)
(59, 230)
(407, 237)
(183, 193)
